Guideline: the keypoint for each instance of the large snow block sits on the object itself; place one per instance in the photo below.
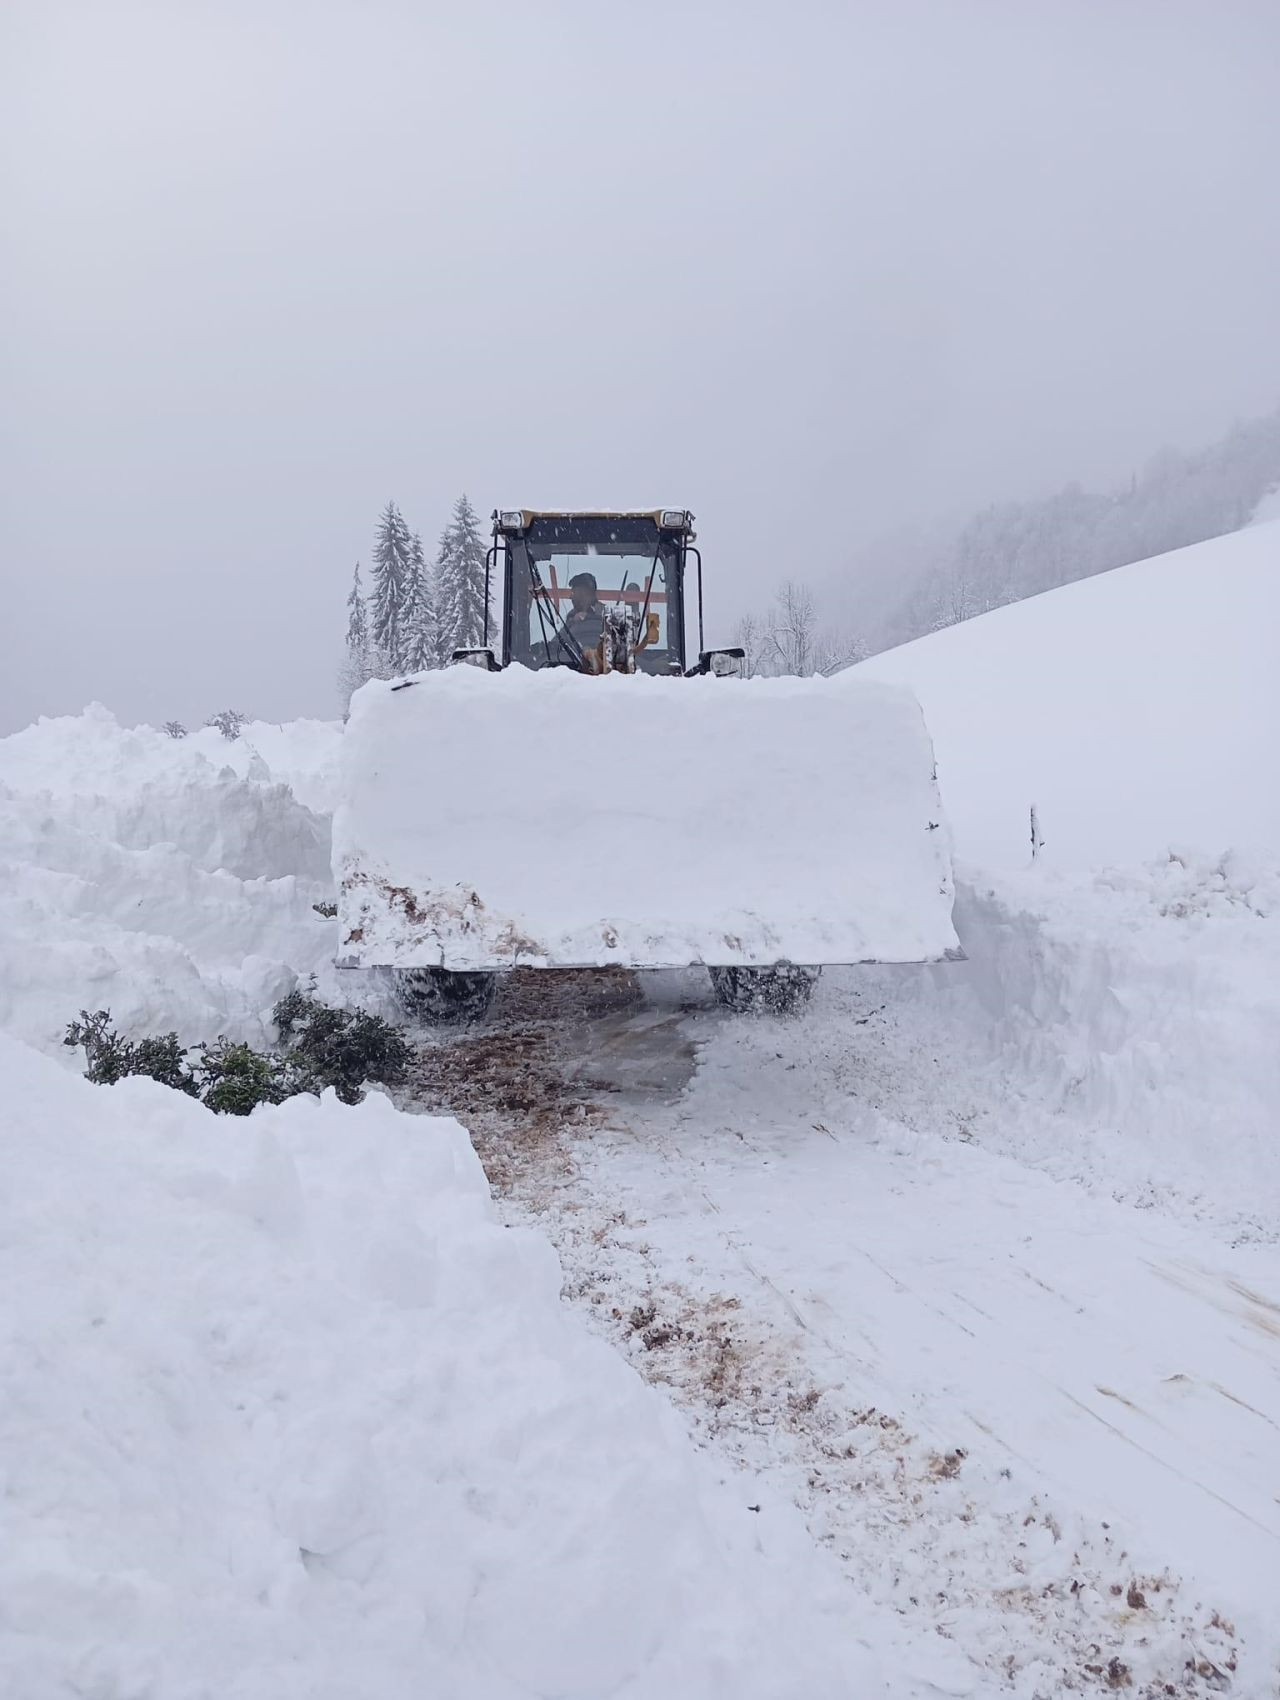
(550, 819)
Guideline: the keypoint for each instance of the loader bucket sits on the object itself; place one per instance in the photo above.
(548, 819)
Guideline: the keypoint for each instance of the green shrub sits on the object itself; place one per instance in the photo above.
(109, 1057)
(341, 1048)
(319, 1047)
(234, 1079)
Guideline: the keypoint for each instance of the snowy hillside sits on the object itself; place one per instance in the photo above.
(1137, 710)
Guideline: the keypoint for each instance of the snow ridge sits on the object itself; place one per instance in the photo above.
(171, 880)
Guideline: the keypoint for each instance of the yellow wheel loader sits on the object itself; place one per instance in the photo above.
(581, 793)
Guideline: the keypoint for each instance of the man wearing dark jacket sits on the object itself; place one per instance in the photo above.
(585, 620)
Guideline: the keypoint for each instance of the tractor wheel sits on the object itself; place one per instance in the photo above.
(441, 998)
(780, 990)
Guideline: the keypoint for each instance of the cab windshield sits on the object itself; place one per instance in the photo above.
(567, 576)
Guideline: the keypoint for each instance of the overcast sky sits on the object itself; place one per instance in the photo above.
(811, 269)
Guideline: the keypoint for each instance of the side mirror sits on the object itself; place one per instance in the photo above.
(477, 658)
(716, 661)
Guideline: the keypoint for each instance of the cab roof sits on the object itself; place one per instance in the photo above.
(661, 517)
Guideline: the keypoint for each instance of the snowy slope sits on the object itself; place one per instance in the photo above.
(1137, 710)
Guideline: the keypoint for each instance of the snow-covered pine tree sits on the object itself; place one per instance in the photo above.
(421, 642)
(357, 619)
(460, 606)
(174, 729)
(392, 589)
(360, 660)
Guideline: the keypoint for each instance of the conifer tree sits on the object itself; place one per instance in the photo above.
(360, 662)
(390, 597)
(357, 620)
(421, 643)
(460, 571)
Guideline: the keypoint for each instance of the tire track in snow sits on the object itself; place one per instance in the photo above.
(960, 1544)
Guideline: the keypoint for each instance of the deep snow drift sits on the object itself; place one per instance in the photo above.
(1137, 710)
(288, 1415)
(549, 818)
(171, 880)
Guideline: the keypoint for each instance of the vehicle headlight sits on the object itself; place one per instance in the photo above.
(674, 519)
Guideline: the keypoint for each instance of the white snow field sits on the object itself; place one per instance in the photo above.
(977, 1265)
(564, 820)
(1137, 710)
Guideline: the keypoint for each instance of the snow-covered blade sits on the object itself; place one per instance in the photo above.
(554, 820)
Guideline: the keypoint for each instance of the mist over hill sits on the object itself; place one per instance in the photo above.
(921, 580)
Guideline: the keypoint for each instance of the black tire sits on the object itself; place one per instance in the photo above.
(780, 990)
(443, 998)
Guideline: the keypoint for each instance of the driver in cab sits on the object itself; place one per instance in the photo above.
(585, 619)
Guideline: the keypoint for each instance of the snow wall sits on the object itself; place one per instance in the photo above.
(170, 880)
(1135, 1012)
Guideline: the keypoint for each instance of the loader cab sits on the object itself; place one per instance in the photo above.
(629, 568)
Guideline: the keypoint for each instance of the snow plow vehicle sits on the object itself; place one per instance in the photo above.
(579, 795)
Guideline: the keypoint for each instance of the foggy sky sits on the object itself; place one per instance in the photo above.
(813, 270)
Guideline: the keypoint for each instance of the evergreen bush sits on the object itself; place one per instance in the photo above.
(319, 1047)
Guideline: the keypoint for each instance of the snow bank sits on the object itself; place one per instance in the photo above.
(1134, 1014)
(302, 754)
(169, 880)
(550, 818)
(1137, 709)
(288, 1416)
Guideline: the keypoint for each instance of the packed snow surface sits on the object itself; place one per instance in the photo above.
(1137, 710)
(550, 818)
(289, 1415)
(1032, 1419)
(170, 880)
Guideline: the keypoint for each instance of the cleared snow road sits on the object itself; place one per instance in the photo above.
(1043, 1424)
(1133, 1364)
